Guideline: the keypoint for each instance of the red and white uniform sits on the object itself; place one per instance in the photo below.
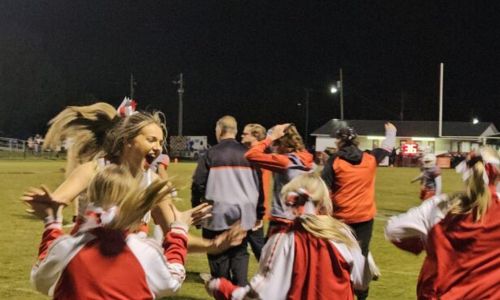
(296, 265)
(463, 256)
(73, 267)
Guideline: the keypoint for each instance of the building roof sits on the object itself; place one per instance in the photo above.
(410, 128)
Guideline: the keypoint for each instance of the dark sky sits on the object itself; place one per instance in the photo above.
(251, 59)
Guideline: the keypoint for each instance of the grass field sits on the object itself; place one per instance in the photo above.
(21, 233)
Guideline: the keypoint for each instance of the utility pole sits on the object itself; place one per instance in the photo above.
(341, 95)
(306, 130)
(401, 112)
(131, 86)
(180, 91)
(441, 84)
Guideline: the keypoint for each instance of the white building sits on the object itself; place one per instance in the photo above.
(456, 136)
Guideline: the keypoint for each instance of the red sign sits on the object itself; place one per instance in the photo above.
(409, 149)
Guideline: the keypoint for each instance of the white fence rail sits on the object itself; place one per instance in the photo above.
(12, 145)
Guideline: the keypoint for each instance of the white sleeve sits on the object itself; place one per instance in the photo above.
(418, 221)
(361, 274)
(46, 273)
(163, 278)
(276, 267)
(438, 185)
(390, 140)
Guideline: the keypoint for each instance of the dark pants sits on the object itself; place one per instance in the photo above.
(232, 264)
(256, 240)
(363, 232)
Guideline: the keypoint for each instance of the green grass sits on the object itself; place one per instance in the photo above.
(21, 233)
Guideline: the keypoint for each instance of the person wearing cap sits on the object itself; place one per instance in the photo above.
(350, 175)
(430, 177)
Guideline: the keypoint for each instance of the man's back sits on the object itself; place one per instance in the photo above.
(230, 181)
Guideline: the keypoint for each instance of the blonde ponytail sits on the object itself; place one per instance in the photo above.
(327, 228)
(323, 225)
(115, 186)
(476, 198)
(85, 126)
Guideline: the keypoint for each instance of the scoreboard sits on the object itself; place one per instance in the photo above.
(409, 149)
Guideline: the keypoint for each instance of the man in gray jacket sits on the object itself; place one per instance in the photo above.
(225, 177)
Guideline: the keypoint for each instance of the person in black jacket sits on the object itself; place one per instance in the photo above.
(350, 175)
(226, 178)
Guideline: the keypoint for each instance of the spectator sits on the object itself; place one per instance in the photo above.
(288, 159)
(225, 178)
(252, 134)
(350, 176)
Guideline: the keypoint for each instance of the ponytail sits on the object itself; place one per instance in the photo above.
(85, 126)
(327, 228)
(476, 198)
(321, 225)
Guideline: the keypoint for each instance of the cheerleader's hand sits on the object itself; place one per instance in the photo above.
(42, 204)
(230, 238)
(193, 216)
(42, 194)
(389, 127)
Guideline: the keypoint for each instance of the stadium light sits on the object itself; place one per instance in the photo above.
(475, 121)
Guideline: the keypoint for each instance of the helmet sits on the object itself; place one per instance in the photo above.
(429, 160)
(346, 134)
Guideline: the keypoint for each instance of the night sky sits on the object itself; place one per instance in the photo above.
(251, 59)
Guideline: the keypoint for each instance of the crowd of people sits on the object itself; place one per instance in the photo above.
(320, 222)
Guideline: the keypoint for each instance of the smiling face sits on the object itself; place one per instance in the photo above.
(147, 144)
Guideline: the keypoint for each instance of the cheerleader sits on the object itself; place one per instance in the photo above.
(460, 234)
(430, 177)
(105, 259)
(102, 136)
(313, 257)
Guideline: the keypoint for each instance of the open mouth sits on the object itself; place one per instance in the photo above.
(150, 157)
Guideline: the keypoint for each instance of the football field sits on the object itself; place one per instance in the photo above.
(21, 232)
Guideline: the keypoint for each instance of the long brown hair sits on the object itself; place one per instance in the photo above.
(84, 126)
(96, 130)
(291, 141)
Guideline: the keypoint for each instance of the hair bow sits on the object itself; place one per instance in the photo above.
(96, 216)
(127, 107)
(302, 200)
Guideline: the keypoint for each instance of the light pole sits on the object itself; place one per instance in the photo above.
(333, 90)
(339, 87)
(180, 91)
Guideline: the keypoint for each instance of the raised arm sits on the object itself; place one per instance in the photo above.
(387, 144)
(409, 230)
(76, 183)
(269, 161)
